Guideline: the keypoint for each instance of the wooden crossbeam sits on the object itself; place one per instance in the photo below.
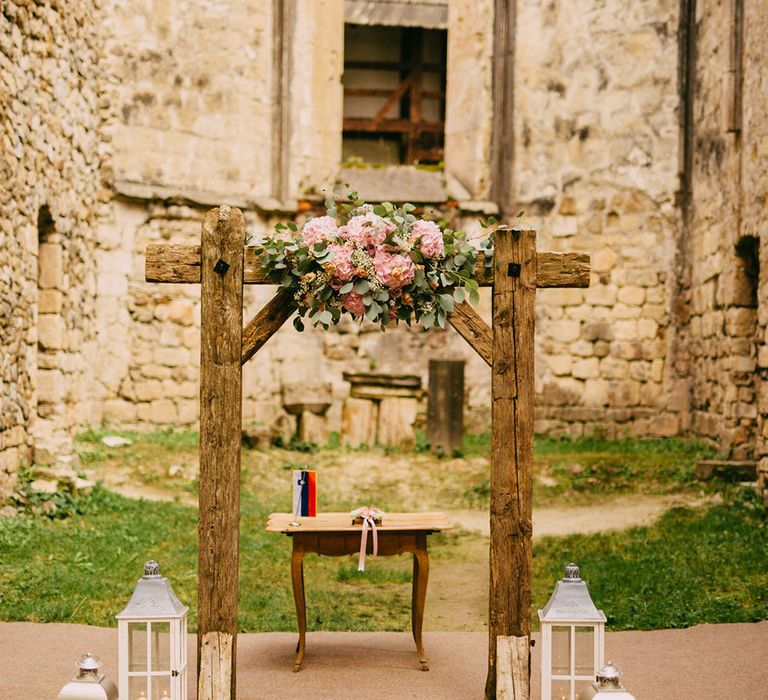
(180, 264)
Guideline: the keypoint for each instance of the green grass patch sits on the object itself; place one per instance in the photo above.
(692, 566)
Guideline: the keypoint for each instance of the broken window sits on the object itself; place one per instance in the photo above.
(394, 94)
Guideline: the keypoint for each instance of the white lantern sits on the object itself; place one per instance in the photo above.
(152, 632)
(572, 639)
(88, 684)
(606, 686)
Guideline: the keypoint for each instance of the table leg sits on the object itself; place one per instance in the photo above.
(297, 578)
(419, 596)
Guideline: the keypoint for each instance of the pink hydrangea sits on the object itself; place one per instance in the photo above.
(341, 266)
(320, 228)
(366, 230)
(429, 237)
(353, 302)
(394, 270)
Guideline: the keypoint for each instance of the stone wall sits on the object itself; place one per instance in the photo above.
(50, 193)
(596, 170)
(726, 216)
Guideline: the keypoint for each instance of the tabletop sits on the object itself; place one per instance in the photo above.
(342, 522)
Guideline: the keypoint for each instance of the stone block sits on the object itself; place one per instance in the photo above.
(665, 425)
(51, 331)
(564, 331)
(601, 295)
(163, 412)
(632, 295)
(586, 369)
(49, 301)
(396, 420)
(119, 411)
(312, 428)
(740, 322)
(559, 364)
(50, 266)
(581, 348)
(597, 330)
(624, 311)
(604, 260)
(51, 386)
(595, 392)
(358, 422)
(647, 328)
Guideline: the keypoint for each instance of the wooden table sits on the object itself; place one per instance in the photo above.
(333, 535)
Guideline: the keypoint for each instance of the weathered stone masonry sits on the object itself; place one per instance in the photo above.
(639, 133)
(50, 160)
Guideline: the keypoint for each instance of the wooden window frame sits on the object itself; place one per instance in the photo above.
(406, 99)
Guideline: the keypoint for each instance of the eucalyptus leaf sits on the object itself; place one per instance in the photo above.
(362, 286)
(346, 288)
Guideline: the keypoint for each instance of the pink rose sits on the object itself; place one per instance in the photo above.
(366, 230)
(321, 228)
(341, 265)
(393, 270)
(353, 303)
(429, 238)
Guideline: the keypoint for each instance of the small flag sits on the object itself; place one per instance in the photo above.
(305, 492)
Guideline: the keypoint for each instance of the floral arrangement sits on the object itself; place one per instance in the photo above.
(380, 263)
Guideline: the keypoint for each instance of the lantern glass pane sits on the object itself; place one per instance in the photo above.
(137, 647)
(585, 651)
(561, 690)
(137, 688)
(161, 688)
(161, 646)
(561, 652)
(580, 685)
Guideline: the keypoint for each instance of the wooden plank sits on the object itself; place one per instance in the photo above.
(408, 381)
(511, 658)
(471, 326)
(266, 323)
(173, 263)
(391, 126)
(512, 400)
(220, 425)
(445, 405)
(393, 99)
(342, 522)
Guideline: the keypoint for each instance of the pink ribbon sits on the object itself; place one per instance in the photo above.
(367, 514)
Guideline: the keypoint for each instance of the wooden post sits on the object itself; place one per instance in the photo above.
(221, 378)
(445, 405)
(512, 396)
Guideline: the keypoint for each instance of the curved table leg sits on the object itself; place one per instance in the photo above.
(420, 579)
(297, 578)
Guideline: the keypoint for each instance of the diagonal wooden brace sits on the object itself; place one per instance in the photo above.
(266, 323)
(471, 326)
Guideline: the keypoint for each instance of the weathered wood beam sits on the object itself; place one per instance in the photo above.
(512, 401)
(471, 326)
(177, 263)
(266, 323)
(221, 378)
(512, 679)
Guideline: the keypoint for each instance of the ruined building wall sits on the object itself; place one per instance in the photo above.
(596, 170)
(754, 210)
(725, 224)
(50, 161)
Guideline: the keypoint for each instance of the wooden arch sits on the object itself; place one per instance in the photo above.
(222, 264)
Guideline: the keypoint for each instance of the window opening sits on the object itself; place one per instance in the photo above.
(394, 94)
(748, 270)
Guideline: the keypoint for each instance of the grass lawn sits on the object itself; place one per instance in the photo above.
(694, 565)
